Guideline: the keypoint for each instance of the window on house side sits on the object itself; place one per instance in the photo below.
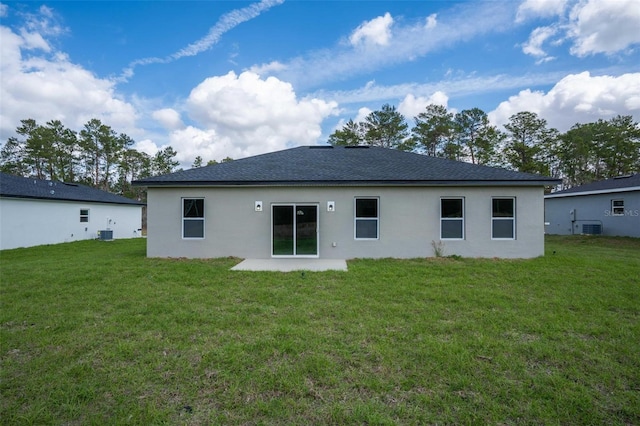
(617, 207)
(84, 215)
(503, 218)
(192, 218)
(452, 218)
(366, 220)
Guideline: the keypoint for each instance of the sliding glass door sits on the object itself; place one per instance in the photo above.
(294, 230)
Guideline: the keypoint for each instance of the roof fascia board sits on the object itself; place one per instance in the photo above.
(72, 200)
(349, 183)
(600, 191)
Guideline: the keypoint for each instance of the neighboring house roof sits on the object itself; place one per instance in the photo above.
(327, 165)
(617, 184)
(20, 187)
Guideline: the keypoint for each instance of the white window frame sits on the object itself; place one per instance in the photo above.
(192, 219)
(619, 207)
(513, 219)
(84, 215)
(451, 219)
(371, 219)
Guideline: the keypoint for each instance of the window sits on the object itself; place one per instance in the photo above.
(192, 218)
(617, 207)
(366, 219)
(503, 218)
(452, 218)
(84, 215)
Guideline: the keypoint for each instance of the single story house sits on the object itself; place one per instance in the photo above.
(607, 207)
(345, 202)
(35, 212)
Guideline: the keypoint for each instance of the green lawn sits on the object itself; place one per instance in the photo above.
(95, 333)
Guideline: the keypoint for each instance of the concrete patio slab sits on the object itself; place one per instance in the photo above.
(288, 265)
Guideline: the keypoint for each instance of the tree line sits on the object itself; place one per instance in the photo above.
(585, 153)
(96, 156)
(100, 157)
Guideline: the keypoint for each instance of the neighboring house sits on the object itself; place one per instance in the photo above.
(345, 202)
(608, 207)
(35, 212)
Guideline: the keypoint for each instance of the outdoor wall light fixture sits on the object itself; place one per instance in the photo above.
(331, 206)
(258, 206)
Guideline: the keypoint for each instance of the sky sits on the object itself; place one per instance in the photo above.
(220, 79)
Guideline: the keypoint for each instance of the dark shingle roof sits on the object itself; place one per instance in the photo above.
(615, 184)
(326, 165)
(20, 187)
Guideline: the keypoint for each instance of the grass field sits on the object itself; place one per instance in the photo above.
(94, 333)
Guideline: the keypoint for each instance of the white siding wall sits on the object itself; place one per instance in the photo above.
(26, 223)
(409, 222)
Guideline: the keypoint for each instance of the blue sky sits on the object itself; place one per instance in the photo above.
(232, 78)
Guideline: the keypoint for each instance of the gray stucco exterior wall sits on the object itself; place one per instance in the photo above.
(593, 209)
(409, 220)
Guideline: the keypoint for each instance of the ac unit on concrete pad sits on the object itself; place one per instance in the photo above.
(592, 229)
(105, 235)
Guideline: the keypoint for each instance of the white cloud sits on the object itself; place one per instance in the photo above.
(45, 22)
(243, 115)
(147, 146)
(540, 8)
(604, 26)
(431, 21)
(37, 26)
(191, 142)
(362, 114)
(408, 42)
(592, 26)
(169, 118)
(227, 22)
(533, 46)
(545, 59)
(461, 86)
(577, 98)
(374, 32)
(34, 41)
(45, 85)
(274, 66)
(411, 106)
